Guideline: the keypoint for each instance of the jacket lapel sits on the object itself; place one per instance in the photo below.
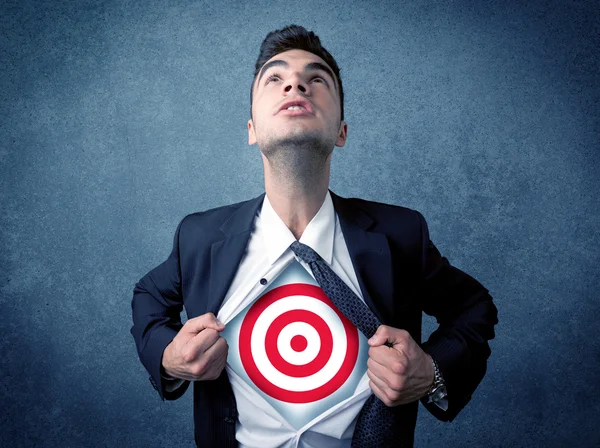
(371, 258)
(226, 254)
(369, 252)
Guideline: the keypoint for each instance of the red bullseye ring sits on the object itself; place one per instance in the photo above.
(299, 371)
(279, 393)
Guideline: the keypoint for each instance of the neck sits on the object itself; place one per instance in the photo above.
(296, 197)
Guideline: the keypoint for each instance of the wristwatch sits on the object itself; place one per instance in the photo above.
(438, 389)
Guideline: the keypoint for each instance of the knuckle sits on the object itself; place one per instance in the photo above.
(222, 345)
(214, 373)
(211, 318)
(396, 385)
(398, 367)
(199, 368)
(188, 356)
(386, 400)
(192, 322)
(209, 333)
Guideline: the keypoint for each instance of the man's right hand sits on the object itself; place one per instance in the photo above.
(197, 353)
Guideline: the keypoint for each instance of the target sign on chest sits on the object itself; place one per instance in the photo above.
(296, 349)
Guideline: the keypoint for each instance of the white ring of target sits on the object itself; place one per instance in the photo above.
(338, 333)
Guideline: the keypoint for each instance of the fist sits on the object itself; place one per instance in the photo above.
(399, 370)
(198, 352)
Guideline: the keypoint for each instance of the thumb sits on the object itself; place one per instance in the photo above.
(379, 338)
(383, 336)
(197, 324)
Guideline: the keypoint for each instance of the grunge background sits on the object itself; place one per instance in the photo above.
(119, 118)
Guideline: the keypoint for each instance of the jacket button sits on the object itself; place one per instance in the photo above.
(229, 420)
(263, 281)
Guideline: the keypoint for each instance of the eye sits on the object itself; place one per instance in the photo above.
(276, 75)
(271, 78)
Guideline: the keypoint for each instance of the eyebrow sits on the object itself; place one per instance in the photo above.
(307, 67)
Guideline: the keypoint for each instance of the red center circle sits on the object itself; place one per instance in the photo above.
(298, 343)
(256, 376)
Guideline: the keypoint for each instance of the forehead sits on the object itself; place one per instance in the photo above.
(297, 57)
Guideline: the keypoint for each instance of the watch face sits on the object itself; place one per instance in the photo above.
(439, 393)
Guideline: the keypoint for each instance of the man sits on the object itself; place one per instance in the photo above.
(381, 252)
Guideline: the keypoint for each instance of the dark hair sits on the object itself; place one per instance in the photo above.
(295, 37)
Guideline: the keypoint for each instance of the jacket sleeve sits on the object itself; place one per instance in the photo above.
(156, 306)
(466, 316)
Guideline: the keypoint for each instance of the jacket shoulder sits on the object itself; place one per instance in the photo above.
(390, 218)
(210, 220)
(375, 206)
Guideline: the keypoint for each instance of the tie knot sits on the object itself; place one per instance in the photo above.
(306, 253)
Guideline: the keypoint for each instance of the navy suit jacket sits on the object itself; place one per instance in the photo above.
(401, 275)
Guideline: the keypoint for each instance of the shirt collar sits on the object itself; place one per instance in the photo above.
(318, 234)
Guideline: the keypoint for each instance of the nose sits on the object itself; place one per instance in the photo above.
(300, 87)
(297, 83)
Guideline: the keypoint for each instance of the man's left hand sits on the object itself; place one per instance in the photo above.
(399, 374)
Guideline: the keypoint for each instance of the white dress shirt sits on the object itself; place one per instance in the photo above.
(267, 254)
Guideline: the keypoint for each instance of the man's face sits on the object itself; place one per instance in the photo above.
(270, 128)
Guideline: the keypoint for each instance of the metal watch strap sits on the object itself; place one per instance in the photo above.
(438, 383)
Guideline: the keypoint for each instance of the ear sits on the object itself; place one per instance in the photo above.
(342, 134)
(251, 135)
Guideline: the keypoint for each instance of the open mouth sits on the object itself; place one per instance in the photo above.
(296, 110)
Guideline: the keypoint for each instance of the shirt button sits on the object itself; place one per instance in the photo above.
(263, 281)
(228, 420)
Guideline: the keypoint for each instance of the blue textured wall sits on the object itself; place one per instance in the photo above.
(118, 119)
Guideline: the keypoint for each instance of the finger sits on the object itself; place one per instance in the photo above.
(197, 324)
(378, 370)
(214, 359)
(222, 361)
(214, 352)
(379, 393)
(214, 368)
(199, 344)
(221, 350)
(386, 335)
(391, 382)
(378, 382)
(388, 357)
(379, 337)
